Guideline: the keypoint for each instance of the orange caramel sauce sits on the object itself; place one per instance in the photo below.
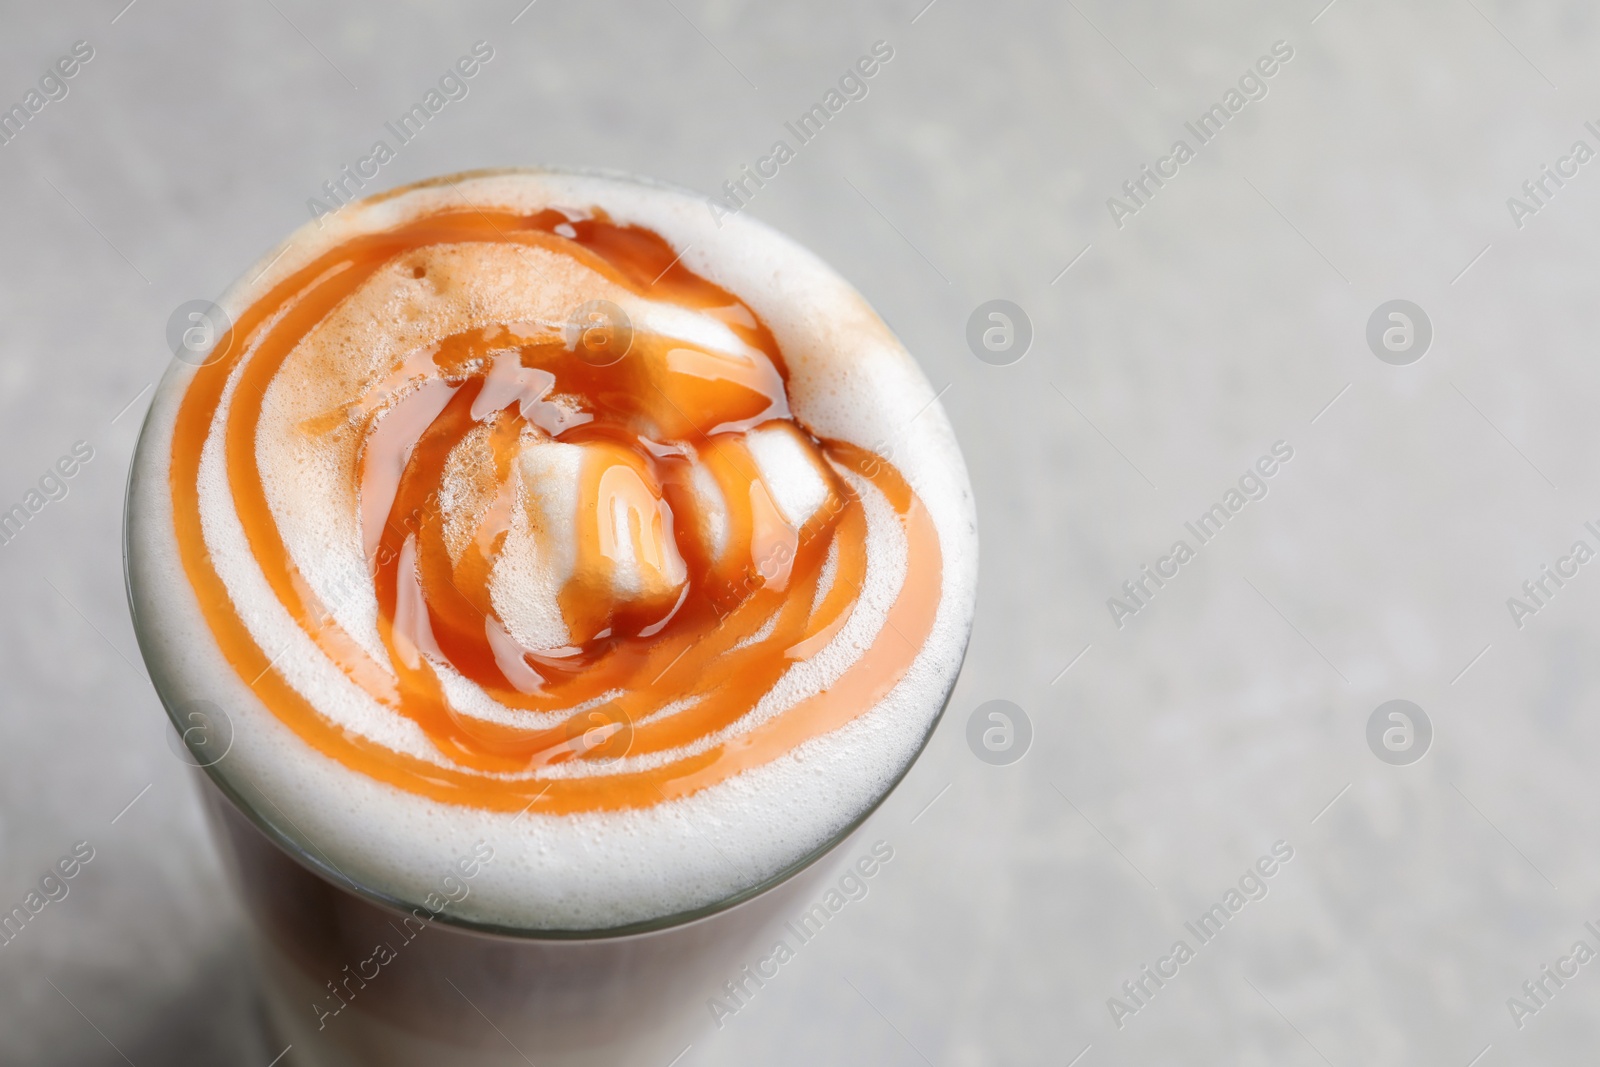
(678, 660)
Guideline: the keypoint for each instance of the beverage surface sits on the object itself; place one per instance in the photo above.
(538, 508)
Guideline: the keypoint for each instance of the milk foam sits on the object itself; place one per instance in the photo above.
(850, 379)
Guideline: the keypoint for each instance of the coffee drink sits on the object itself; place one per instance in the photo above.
(548, 511)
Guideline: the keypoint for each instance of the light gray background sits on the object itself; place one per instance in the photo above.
(1223, 317)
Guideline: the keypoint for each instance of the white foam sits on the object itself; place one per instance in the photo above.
(849, 379)
(540, 552)
(787, 468)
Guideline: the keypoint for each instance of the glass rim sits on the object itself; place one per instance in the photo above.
(298, 851)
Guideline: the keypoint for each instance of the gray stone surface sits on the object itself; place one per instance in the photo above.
(1224, 316)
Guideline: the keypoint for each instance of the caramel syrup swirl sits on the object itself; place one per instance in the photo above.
(671, 670)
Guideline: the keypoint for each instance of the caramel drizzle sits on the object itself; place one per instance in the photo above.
(739, 623)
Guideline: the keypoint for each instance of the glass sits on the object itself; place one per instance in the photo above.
(353, 976)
